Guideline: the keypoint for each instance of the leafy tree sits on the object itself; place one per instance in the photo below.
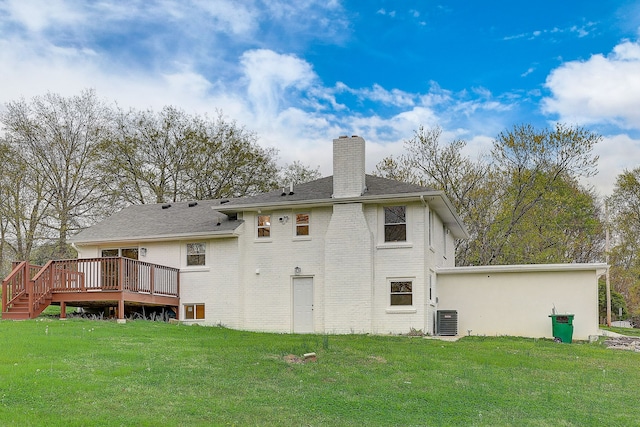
(617, 303)
(226, 161)
(535, 166)
(297, 173)
(521, 204)
(625, 228)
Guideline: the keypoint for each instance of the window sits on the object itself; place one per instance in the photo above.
(395, 224)
(302, 224)
(401, 292)
(264, 225)
(131, 253)
(196, 253)
(194, 311)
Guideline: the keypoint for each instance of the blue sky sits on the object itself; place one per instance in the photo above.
(300, 73)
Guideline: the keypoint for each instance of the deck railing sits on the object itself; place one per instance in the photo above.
(87, 275)
(17, 282)
(115, 274)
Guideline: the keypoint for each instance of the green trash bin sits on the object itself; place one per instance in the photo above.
(562, 327)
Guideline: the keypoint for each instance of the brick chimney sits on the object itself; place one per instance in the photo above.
(348, 167)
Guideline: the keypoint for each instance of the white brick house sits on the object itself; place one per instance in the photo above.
(347, 253)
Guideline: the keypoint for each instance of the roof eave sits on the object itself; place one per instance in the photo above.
(164, 238)
(445, 208)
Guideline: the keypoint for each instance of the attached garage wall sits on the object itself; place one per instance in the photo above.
(517, 300)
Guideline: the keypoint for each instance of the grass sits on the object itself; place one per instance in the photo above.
(631, 332)
(80, 372)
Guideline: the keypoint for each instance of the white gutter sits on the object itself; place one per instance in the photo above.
(599, 268)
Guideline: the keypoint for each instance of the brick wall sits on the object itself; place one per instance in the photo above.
(348, 167)
(348, 271)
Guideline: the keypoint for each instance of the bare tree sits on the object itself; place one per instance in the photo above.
(58, 139)
(172, 156)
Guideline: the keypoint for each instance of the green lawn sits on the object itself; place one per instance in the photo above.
(86, 373)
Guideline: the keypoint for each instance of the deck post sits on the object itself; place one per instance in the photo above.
(29, 289)
(121, 318)
(63, 310)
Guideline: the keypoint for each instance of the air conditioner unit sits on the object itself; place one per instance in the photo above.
(447, 323)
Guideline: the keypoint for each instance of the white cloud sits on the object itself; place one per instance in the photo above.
(377, 93)
(38, 15)
(599, 90)
(230, 16)
(269, 77)
(617, 153)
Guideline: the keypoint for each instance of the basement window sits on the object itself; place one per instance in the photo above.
(194, 311)
(402, 292)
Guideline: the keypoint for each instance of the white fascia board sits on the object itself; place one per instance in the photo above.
(599, 268)
(160, 238)
(436, 199)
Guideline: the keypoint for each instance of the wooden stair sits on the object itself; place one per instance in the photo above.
(20, 309)
(26, 291)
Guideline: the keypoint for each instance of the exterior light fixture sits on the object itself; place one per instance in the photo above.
(297, 270)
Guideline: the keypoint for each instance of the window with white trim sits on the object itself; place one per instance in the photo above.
(401, 292)
(302, 224)
(196, 253)
(395, 224)
(264, 226)
(194, 311)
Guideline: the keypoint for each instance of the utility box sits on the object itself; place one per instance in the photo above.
(447, 322)
(562, 327)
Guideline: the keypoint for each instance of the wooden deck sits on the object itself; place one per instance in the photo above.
(91, 282)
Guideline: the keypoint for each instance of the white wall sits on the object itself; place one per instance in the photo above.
(268, 267)
(517, 300)
(399, 261)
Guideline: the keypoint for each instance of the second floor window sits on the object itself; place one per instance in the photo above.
(302, 224)
(264, 225)
(395, 224)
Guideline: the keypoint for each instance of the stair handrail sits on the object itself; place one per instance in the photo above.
(40, 287)
(15, 284)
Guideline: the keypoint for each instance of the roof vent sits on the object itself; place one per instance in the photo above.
(167, 206)
(222, 202)
(343, 136)
(192, 204)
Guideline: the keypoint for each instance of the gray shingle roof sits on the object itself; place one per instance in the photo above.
(140, 222)
(145, 222)
(322, 189)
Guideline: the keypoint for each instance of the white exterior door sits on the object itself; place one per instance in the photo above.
(303, 305)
